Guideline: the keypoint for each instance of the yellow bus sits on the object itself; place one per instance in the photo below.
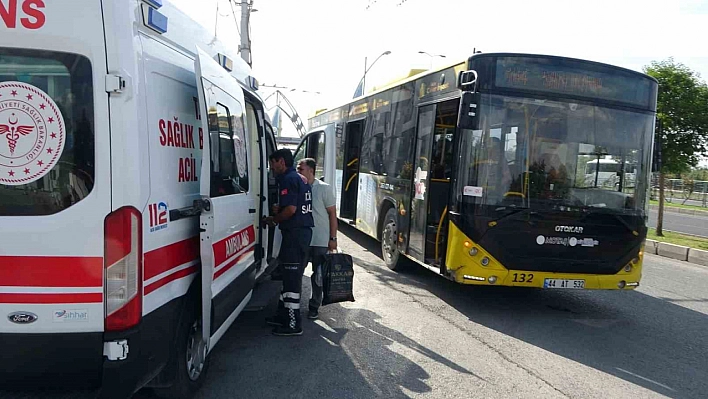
(477, 171)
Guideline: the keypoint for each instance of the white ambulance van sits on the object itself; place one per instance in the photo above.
(133, 178)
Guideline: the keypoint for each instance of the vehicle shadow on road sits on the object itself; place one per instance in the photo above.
(347, 353)
(648, 341)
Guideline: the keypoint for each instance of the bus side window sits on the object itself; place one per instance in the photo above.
(301, 152)
(320, 157)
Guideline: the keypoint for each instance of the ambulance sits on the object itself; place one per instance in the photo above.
(133, 179)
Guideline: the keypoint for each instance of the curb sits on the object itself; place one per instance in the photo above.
(683, 211)
(690, 255)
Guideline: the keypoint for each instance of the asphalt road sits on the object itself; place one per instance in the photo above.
(415, 334)
(691, 224)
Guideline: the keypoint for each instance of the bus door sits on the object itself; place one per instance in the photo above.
(431, 182)
(350, 180)
(229, 195)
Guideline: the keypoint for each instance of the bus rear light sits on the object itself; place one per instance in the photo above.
(123, 269)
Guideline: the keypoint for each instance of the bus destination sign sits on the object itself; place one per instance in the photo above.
(573, 78)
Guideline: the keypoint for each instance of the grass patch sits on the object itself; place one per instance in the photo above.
(675, 205)
(679, 239)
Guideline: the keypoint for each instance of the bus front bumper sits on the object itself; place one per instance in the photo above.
(469, 263)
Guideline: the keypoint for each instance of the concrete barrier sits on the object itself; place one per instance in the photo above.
(651, 246)
(698, 256)
(672, 251)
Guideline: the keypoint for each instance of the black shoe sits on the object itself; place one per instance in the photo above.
(283, 331)
(274, 321)
(313, 314)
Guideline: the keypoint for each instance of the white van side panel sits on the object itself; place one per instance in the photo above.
(175, 145)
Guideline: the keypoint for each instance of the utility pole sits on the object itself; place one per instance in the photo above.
(245, 47)
(363, 80)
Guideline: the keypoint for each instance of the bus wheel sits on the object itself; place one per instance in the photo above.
(389, 241)
(191, 357)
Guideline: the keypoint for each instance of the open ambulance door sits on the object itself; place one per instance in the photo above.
(229, 191)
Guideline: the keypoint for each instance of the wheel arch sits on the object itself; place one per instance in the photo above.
(386, 204)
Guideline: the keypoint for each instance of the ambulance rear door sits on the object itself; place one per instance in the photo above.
(55, 186)
(228, 200)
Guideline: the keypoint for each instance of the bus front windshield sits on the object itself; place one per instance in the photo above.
(542, 154)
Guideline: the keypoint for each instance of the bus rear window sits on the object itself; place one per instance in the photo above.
(47, 154)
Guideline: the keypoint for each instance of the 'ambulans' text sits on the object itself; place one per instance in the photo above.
(28, 12)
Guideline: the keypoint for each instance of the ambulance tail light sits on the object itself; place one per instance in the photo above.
(123, 269)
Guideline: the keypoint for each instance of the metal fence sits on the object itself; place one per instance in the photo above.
(682, 191)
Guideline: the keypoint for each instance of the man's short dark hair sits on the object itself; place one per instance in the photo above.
(283, 154)
(310, 162)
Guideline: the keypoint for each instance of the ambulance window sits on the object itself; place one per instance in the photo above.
(225, 176)
(47, 161)
(241, 150)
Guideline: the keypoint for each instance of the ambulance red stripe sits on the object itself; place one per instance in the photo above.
(232, 263)
(51, 298)
(172, 277)
(51, 271)
(171, 256)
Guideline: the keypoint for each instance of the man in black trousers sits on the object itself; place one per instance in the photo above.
(295, 219)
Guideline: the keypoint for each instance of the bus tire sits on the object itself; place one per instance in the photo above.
(192, 363)
(389, 242)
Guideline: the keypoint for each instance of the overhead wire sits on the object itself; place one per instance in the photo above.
(233, 13)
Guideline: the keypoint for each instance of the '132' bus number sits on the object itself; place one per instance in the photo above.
(523, 278)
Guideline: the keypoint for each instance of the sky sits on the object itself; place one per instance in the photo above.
(320, 45)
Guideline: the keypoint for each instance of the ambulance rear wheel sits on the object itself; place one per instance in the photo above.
(191, 357)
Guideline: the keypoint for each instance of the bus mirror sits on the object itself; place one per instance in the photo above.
(467, 80)
(468, 110)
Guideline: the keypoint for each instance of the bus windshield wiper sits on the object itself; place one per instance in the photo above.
(593, 210)
(509, 212)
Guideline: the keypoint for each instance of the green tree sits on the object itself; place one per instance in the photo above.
(683, 117)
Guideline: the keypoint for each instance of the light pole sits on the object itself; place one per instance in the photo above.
(431, 57)
(362, 82)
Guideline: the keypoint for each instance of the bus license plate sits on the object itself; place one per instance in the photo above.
(562, 283)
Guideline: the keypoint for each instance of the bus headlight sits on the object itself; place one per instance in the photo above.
(621, 284)
(473, 251)
(492, 279)
(485, 261)
(628, 268)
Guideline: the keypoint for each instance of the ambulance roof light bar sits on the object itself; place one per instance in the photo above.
(152, 18)
(154, 3)
(225, 62)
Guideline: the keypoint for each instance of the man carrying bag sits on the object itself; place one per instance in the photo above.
(324, 233)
